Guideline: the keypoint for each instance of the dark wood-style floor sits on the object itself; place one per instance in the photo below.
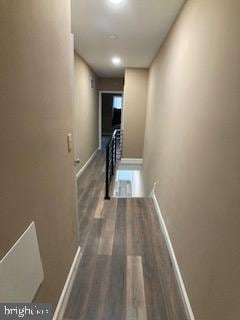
(125, 271)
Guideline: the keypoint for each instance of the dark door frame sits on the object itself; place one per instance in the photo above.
(100, 113)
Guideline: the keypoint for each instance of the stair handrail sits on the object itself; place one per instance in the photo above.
(113, 155)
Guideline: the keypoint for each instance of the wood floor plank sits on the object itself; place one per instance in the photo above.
(91, 197)
(116, 307)
(100, 204)
(134, 234)
(87, 214)
(172, 298)
(154, 291)
(136, 305)
(108, 230)
(81, 290)
(97, 298)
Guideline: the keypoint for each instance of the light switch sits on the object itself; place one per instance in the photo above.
(69, 142)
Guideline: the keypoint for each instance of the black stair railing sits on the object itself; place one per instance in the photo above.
(113, 155)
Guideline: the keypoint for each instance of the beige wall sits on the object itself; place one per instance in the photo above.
(110, 84)
(192, 151)
(134, 113)
(37, 173)
(85, 111)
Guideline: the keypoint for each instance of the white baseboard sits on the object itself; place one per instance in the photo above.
(58, 314)
(86, 164)
(180, 281)
(131, 161)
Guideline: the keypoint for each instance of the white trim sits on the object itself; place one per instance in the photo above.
(74, 147)
(86, 164)
(131, 161)
(67, 287)
(177, 271)
(100, 113)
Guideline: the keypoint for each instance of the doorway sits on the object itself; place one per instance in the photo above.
(110, 115)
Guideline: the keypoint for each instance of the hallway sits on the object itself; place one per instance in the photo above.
(166, 245)
(125, 270)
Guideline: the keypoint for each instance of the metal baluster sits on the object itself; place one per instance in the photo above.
(112, 156)
(115, 151)
(107, 174)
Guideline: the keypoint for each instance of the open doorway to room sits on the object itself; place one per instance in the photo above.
(110, 115)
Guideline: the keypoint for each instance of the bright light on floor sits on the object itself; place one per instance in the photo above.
(116, 61)
(129, 182)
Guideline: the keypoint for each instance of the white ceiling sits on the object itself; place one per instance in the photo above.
(141, 26)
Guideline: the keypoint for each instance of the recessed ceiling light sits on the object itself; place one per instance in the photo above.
(115, 1)
(113, 36)
(116, 61)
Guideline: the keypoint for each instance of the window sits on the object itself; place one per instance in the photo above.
(117, 102)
